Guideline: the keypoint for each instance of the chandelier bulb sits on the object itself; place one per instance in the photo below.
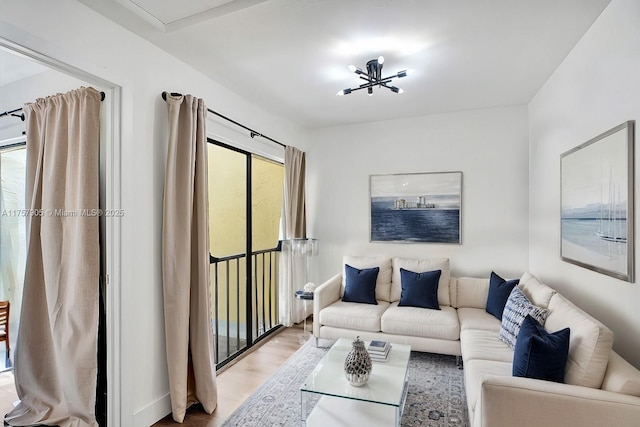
(380, 59)
(352, 68)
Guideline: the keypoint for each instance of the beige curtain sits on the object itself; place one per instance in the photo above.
(294, 204)
(294, 226)
(56, 352)
(185, 260)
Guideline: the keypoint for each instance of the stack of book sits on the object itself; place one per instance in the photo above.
(379, 350)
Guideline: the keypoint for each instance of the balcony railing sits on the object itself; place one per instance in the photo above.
(242, 314)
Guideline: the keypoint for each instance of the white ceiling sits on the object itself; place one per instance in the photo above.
(291, 56)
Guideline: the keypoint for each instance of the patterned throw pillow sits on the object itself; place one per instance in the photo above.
(516, 309)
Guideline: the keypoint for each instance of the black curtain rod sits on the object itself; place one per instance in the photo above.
(253, 133)
(13, 112)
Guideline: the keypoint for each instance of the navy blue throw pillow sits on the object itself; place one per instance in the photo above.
(419, 289)
(540, 354)
(499, 290)
(360, 285)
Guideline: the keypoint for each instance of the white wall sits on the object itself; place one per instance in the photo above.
(489, 146)
(595, 88)
(16, 94)
(74, 34)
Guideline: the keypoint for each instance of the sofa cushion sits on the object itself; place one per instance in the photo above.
(621, 376)
(589, 345)
(474, 373)
(499, 290)
(360, 285)
(538, 293)
(540, 354)
(472, 292)
(421, 322)
(419, 289)
(478, 318)
(484, 345)
(420, 266)
(516, 309)
(350, 315)
(383, 282)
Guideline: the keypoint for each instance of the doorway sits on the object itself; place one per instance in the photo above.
(26, 75)
(245, 202)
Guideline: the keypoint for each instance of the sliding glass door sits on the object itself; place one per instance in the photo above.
(245, 199)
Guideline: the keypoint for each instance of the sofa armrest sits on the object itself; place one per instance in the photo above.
(524, 402)
(324, 295)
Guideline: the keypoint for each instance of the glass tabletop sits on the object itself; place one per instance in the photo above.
(386, 383)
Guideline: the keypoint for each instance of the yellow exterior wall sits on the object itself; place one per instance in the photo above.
(227, 201)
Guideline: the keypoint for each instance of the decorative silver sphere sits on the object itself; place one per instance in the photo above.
(357, 365)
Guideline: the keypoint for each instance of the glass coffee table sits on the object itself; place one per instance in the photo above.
(327, 398)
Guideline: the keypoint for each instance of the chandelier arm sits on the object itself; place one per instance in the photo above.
(393, 76)
(366, 85)
(393, 88)
(358, 88)
(365, 76)
(375, 82)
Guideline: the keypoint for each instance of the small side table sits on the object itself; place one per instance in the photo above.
(304, 296)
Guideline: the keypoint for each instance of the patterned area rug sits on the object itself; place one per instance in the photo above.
(436, 396)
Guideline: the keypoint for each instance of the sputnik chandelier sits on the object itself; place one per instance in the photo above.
(373, 77)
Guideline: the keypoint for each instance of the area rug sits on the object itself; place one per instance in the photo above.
(436, 396)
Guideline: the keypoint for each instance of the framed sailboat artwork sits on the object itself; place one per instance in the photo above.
(597, 229)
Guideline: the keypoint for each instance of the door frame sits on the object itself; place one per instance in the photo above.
(249, 250)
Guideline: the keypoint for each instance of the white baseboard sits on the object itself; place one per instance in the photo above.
(153, 412)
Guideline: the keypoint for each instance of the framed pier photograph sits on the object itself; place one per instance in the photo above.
(597, 203)
(416, 207)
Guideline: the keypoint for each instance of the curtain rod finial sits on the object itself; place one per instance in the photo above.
(165, 93)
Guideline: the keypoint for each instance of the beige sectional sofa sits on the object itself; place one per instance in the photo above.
(600, 387)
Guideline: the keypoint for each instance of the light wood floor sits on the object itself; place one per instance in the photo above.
(8, 393)
(237, 382)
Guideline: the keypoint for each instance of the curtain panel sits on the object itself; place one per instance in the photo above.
(294, 226)
(56, 352)
(185, 259)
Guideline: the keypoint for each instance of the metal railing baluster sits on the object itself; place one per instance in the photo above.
(227, 317)
(217, 314)
(238, 305)
(264, 323)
